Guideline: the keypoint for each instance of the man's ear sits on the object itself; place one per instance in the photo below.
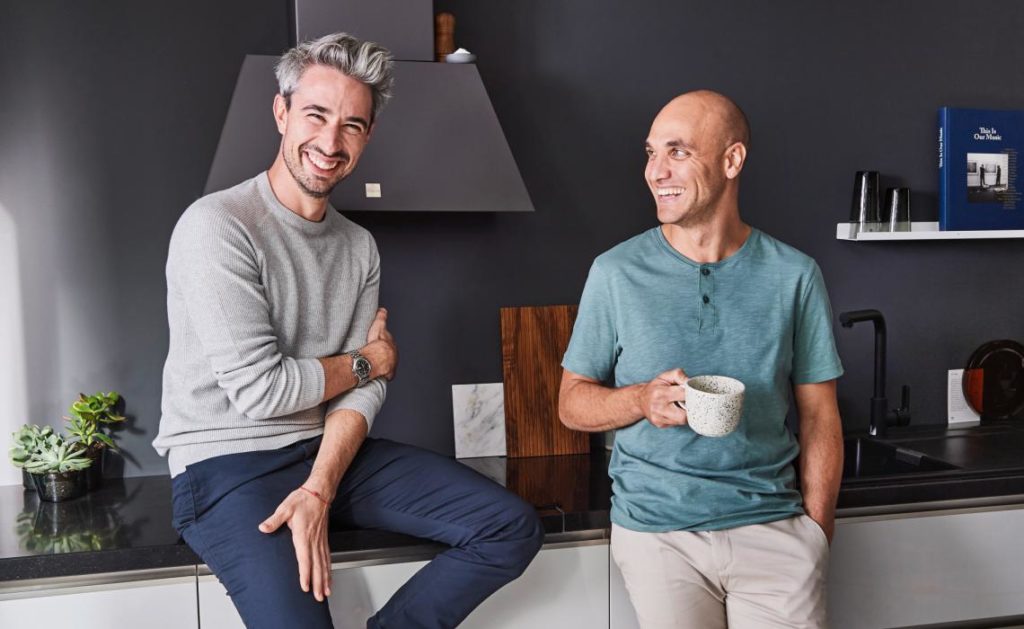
(280, 113)
(735, 157)
(369, 132)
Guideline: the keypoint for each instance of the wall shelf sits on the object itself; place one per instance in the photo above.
(922, 231)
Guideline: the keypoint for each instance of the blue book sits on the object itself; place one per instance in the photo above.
(978, 160)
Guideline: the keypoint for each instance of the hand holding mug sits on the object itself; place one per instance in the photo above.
(658, 399)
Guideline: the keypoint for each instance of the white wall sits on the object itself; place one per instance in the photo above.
(12, 347)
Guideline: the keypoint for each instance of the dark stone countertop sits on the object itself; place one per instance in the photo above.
(125, 525)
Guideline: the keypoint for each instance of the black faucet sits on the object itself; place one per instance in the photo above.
(881, 416)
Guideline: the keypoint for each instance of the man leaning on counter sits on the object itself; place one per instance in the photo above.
(710, 531)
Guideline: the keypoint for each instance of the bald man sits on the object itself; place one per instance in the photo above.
(710, 531)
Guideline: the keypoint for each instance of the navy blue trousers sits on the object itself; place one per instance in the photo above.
(493, 534)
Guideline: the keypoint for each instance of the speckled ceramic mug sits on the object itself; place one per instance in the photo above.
(713, 404)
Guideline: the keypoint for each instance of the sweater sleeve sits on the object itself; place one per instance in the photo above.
(214, 264)
(367, 399)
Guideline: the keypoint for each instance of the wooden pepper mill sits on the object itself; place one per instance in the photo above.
(444, 35)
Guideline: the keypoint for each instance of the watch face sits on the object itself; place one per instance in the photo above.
(361, 367)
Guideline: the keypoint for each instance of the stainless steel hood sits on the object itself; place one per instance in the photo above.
(438, 145)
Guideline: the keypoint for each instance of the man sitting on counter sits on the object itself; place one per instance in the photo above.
(710, 531)
(278, 363)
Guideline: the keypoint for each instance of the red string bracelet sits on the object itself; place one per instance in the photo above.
(314, 493)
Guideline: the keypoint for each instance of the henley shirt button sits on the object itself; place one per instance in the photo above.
(706, 299)
(705, 271)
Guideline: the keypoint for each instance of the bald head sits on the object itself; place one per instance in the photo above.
(719, 117)
(696, 149)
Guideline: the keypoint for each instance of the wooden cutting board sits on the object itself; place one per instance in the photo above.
(533, 340)
(558, 483)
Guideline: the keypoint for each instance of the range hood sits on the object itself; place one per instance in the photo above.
(438, 145)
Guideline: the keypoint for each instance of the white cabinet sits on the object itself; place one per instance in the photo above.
(926, 568)
(215, 607)
(620, 609)
(356, 593)
(563, 586)
(153, 604)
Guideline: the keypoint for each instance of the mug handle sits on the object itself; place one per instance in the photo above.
(681, 404)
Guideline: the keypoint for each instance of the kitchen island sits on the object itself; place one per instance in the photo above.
(906, 534)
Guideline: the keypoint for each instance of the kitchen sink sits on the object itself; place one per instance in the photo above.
(865, 457)
(981, 448)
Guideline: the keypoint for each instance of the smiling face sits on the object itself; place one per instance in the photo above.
(324, 129)
(690, 161)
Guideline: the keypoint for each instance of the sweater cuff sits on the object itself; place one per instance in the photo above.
(311, 375)
(365, 400)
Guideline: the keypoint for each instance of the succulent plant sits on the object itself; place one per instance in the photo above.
(57, 455)
(27, 442)
(88, 413)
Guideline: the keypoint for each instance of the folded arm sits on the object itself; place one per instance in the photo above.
(587, 405)
(215, 266)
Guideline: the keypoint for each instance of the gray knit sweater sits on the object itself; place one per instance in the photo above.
(255, 294)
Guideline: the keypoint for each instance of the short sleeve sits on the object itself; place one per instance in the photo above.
(815, 358)
(593, 346)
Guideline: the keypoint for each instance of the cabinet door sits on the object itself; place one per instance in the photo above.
(620, 609)
(562, 586)
(157, 604)
(926, 568)
(215, 606)
(356, 593)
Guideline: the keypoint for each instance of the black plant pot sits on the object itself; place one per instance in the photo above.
(94, 473)
(60, 486)
(27, 482)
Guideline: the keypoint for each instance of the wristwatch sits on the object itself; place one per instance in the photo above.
(361, 367)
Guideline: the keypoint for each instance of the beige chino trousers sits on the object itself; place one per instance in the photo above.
(757, 576)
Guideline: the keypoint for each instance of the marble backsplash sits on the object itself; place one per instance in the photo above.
(479, 415)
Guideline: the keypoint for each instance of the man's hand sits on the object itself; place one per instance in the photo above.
(306, 516)
(659, 396)
(380, 348)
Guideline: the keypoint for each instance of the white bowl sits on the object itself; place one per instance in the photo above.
(460, 57)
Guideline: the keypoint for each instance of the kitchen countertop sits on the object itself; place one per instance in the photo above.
(125, 525)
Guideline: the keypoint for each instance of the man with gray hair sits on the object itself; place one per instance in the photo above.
(278, 362)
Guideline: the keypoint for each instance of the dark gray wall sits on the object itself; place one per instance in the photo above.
(111, 113)
(109, 117)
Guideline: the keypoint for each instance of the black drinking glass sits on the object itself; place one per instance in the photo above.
(896, 211)
(865, 207)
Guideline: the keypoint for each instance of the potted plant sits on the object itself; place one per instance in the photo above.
(57, 468)
(88, 414)
(28, 441)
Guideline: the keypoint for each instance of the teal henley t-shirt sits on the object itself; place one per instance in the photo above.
(761, 316)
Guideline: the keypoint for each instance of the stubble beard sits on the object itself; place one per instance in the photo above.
(310, 185)
(696, 216)
(701, 212)
(693, 216)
